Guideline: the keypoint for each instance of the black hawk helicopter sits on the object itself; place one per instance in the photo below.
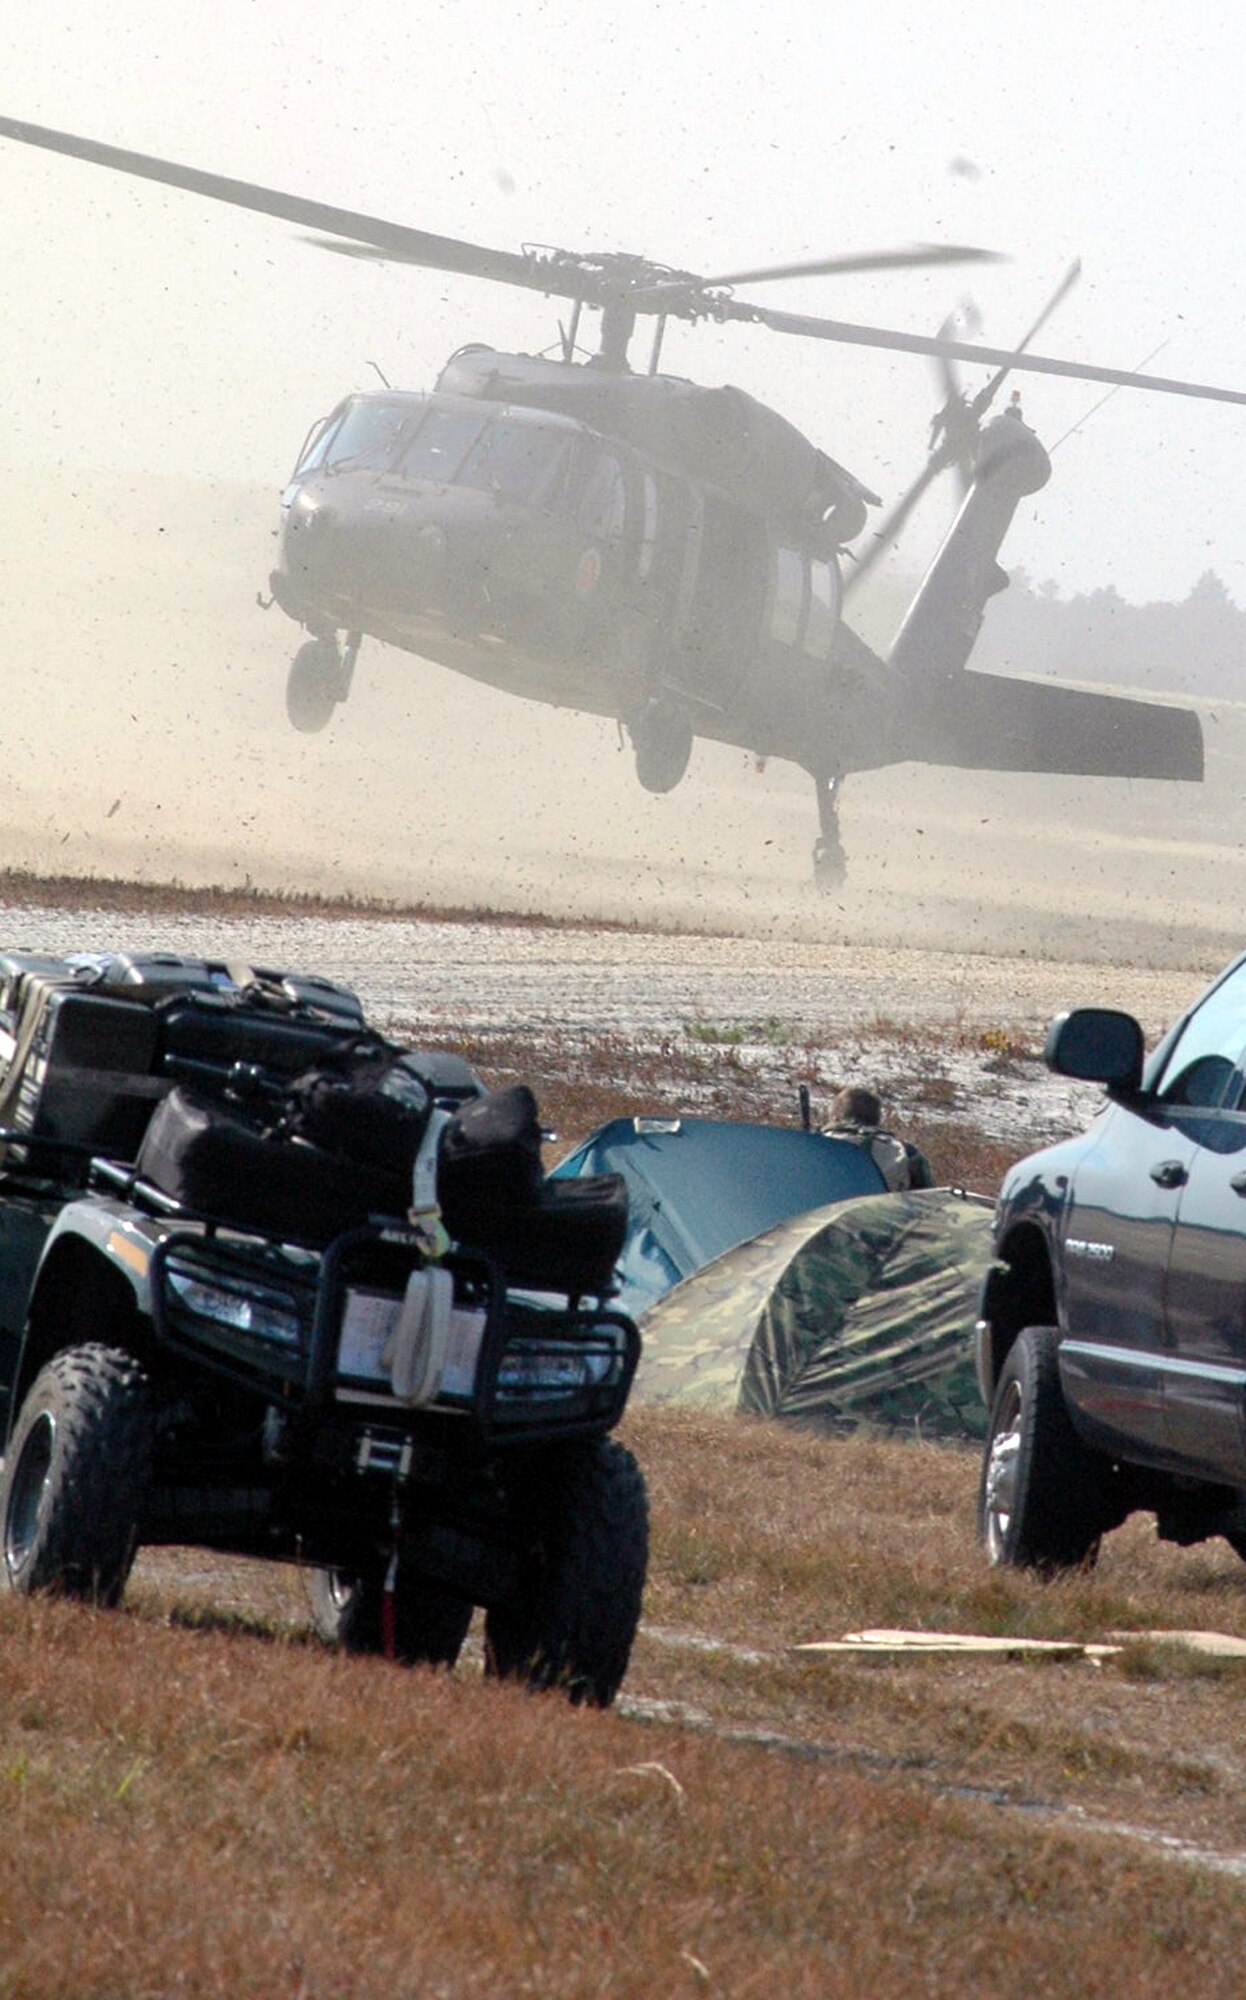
(633, 545)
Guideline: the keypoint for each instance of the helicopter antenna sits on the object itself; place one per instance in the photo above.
(1096, 407)
(381, 372)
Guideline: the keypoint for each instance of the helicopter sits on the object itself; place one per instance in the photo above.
(629, 543)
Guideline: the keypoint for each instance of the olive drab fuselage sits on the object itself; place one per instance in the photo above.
(531, 551)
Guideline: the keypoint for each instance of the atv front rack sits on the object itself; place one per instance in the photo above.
(272, 1318)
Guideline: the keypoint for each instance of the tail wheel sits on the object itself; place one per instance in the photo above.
(575, 1626)
(76, 1475)
(430, 1621)
(1042, 1502)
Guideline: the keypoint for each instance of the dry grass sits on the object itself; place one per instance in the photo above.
(206, 1803)
(22, 886)
(198, 1800)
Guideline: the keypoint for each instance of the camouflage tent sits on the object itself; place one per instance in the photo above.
(860, 1312)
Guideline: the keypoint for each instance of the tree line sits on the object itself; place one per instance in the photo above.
(1195, 647)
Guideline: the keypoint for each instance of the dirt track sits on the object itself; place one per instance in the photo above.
(479, 974)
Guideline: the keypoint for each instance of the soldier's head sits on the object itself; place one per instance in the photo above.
(855, 1106)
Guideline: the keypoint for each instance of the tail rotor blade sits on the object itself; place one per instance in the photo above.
(985, 397)
(887, 532)
(952, 422)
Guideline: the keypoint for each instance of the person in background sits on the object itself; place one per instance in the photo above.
(857, 1114)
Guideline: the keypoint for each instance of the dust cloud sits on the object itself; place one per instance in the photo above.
(146, 737)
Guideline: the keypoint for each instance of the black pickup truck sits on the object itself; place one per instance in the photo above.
(1112, 1343)
(271, 1285)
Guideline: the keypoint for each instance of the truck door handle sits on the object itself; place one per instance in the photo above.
(1169, 1174)
(1238, 1183)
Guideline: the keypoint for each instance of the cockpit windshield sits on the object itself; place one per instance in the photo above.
(362, 440)
(436, 451)
(517, 462)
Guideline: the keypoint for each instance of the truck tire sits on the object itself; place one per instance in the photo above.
(1042, 1502)
(75, 1476)
(575, 1627)
(430, 1622)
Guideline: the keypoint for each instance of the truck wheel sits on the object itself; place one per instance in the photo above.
(575, 1628)
(75, 1476)
(430, 1621)
(1041, 1502)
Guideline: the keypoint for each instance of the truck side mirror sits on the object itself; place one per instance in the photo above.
(1096, 1045)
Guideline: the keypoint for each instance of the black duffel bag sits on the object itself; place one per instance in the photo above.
(490, 1157)
(561, 1236)
(219, 1165)
(566, 1237)
(372, 1107)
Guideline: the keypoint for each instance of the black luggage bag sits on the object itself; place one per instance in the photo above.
(562, 1236)
(203, 1156)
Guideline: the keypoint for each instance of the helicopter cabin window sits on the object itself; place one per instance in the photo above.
(648, 528)
(603, 506)
(440, 445)
(517, 462)
(788, 605)
(366, 437)
(823, 617)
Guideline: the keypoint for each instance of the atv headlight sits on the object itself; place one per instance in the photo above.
(543, 1366)
(260, 1310)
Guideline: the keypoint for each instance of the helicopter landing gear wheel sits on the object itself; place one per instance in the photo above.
(661, 734)
(829, 861)
(319, 679)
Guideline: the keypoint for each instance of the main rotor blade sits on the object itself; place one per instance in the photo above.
(393, 239)
(958, 350)
(908, 259)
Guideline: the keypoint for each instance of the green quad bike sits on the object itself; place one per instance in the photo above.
(272, 1286)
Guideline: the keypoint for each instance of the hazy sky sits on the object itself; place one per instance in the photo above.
(147, 328)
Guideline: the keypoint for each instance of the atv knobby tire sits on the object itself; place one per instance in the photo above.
(575, 1625)
(430, 1621)
(75, 1476)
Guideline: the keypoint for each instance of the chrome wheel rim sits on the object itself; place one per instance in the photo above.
(339, 1588)
(26, 1491)
(999, 1484)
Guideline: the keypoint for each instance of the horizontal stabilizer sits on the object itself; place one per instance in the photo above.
(991, 722)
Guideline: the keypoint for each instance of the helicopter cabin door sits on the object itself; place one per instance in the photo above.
(728, 592)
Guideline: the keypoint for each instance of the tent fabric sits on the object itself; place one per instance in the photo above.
(860, 1313)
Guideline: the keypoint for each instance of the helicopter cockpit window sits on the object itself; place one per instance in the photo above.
(318, 441)
(603, 505)
(441, 444)
(366, 437)
(517, 462)
(789, 597)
